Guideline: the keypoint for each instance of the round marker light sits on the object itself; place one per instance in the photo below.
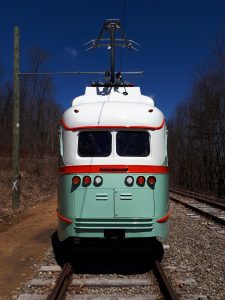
(129, 180)
(141, 180)
(86, 180)
(151, 180)
(76, 180)
(98, 181)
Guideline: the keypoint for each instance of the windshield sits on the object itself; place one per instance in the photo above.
(132, 143)
(128, 143)
(94, 143)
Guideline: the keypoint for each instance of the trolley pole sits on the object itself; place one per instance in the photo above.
(112, 25)
(16, 125)
(112, 34)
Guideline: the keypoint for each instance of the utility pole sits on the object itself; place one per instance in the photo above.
(16, 124)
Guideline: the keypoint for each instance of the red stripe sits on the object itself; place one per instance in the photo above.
(114, 169)
(63, 218)
(164, 219)
(111, 127)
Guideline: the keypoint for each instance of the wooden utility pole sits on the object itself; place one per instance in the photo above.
(16, 125)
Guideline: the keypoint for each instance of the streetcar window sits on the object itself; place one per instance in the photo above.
(94, 143)
(132, 143)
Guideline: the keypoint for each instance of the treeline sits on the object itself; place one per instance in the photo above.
(39, 112)
(197, 132)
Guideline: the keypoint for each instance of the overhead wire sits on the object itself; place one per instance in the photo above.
(123, 34)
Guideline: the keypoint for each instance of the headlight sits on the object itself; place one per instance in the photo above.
(98, 181)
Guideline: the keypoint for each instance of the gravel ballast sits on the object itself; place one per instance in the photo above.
(193, 261)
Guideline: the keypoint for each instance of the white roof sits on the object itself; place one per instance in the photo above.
(101, 94)
(112, 108)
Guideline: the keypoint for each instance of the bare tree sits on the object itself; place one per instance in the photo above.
(40, 113)
(39, 102)
(197, 159)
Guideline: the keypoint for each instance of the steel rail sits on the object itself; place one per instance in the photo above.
(200, 197)
(62, 283)
(164, 282)
(199, 210)
(64, 280)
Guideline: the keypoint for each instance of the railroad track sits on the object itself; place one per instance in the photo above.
(207, 206)
(65, 280)
(217, 202)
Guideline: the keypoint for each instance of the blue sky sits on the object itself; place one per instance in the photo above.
(175, 38)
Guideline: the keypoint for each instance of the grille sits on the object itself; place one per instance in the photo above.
(132, 224)
(125, 196)
(102, 197)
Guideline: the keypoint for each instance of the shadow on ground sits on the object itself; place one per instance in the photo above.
(112, 261)
(98, 256)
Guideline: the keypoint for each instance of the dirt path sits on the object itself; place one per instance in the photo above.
(22, 244)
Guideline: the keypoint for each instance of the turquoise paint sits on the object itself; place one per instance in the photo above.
(161, 196)
(89, 203)
(134, 203)
(113, 205)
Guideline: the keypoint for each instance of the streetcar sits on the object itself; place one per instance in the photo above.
(113, 172)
